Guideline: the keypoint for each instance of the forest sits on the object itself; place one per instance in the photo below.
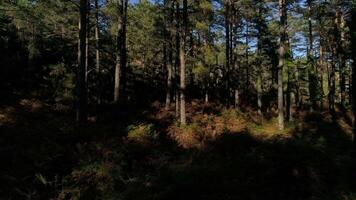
(177, 99)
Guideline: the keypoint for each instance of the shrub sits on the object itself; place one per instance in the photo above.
(205, 129)
(142, 133)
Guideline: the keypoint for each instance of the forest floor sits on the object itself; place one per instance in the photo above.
(141, 153)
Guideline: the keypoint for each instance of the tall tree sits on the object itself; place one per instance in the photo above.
(121, 57)
(182, 61)
(82, 71)
(353, 55)
(97, 37)
(260, 36)
(310, 57)
(168, 48)
(282, 55)
(341, 48)
(227, 47)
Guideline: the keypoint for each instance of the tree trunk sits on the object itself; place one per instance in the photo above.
(97, 52)
(259, 27)
(331, 83)
(353, 56)
(97, 37)
(176, 64)
(321, 67)
(342, 58)
(247, 84)
(121, 57)
(227, 49)
(81, 74)
(311, 65)
(182, 63)
(123, 52)
(168, 53)
(87, 41)
(118, 57)
(282, 52)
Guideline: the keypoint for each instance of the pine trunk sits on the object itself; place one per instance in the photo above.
(182, 63)
(82, 82)
(282, 52)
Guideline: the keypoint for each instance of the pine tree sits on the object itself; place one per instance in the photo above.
(282, 55)
(82, 71)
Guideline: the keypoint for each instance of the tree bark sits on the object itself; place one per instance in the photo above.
(331, 83)
(81, 74)
(176, 64)
(121, 57)
(311, 65)
(182, 63)
(247, 84)
(353, 56)
(168, 52)
(342, 57)
(321, 67)
(97, 37)
(118, 57)
(259, 59)
(282, 54)
(87, 41)
(227, 49)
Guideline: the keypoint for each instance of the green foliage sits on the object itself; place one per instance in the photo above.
(144, 35)
(59, 81)
(142, 133)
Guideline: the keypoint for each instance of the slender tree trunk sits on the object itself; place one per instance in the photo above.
(331, 83)
(353, 56)
(82, 82)
(97, 37)
(182, 63)
(123, 52)
(118, 57)
(321, 67)
(168, 50)
(259, 27)
(288, 95)
(121, 57)
(227, 49)
(282, 52)
(207, 94)
(247, 84)
(87, 42)
(342, 58)
(176, 66)
(311, 65)
(237, 99)
(297, 90)
(97, 51)
(169, 84)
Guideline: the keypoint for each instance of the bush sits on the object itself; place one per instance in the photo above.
(142, 133)
(206, 128)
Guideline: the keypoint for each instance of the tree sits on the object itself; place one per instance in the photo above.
(121, 56)
(353, 47)
(311, 64)
(168, 48)
(82, 71)
(228, 37)
(97, 37)
(182, 61)
(282, 54)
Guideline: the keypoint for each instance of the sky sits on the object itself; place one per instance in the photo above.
(133, 1)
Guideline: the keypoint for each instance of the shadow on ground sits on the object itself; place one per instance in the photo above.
(47, 157)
